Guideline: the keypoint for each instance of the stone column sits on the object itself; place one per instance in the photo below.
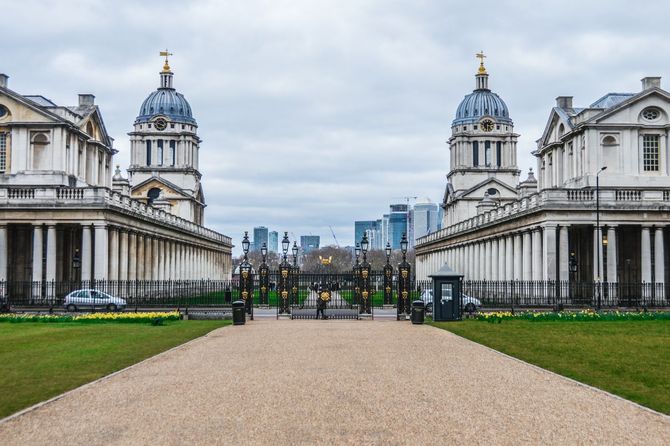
(161, 260)
(598, 251)
(611, 255)
(155, 252)
(123, 254)
(564, 254)
(518, 257)
(488, 260)
(476, 272)
(3, 252)
(509, 257)
(645, 252)
(51, 253)
(549, 252)
(101, 251)
(132, 255)
(494, 260)
(482, 261)
(471, 262)
(537, 273)
(86, 253)
(113, 253)
(502, 251)
(659, 259)
(37, 252)
(140, 256)
(527, 269)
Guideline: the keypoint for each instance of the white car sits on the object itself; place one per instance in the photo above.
(93, 299)
(470, 304)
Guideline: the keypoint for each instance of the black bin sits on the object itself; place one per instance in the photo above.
(418, 312)
(239, 318)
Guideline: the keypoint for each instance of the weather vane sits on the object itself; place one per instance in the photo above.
(480, 55)
(165, 54)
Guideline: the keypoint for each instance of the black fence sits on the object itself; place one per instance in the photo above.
(306, 289)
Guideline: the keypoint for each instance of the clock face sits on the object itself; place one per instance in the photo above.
(487, 125)
(161, 124)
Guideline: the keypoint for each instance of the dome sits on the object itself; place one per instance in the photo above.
(166, 102)
(480, 103)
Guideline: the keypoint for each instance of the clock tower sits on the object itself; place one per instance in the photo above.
(164, 149)
(482, 153)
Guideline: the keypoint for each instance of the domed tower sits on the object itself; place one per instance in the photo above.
(482, 152)
(164, 152)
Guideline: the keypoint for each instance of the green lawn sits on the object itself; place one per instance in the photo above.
(41, 360)
(630, 359)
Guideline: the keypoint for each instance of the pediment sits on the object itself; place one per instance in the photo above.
(629, 111)
(478, 191)
(24, 110)
(169, 189)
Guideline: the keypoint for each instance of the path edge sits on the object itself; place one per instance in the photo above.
(572, 380)
(102, 378)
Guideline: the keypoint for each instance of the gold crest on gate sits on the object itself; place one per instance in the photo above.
(404, 295)
(404, 273)
(263, 289)
(245, 294)
(284, 294)
(365, 273)
(365, 295)
(284, 273)
(325, 296)
(245, 274)
(388, 289)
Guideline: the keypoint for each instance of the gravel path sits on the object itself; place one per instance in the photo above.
(335, 382)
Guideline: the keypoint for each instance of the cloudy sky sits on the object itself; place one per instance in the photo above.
(318, 112)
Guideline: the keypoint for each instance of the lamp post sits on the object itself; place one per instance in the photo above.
(283, 285)
(388, 277)
(365, 270)
(403, 279)
(599, 240)
(294, 274)
(246, 278)
(264, 273)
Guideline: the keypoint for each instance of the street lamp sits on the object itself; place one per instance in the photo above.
(365, 244)
(388, 253)
(599, 240)
(357, 251)
(403, 245)
(284, 245)
(264, 251)
(295, 252)
(245, 244)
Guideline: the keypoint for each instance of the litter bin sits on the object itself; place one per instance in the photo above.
(239, 318)
(418, 312)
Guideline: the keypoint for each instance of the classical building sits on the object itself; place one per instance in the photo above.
(63, 217)
(164, 149)
(605, 163)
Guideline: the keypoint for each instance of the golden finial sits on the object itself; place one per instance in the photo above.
(165, 54)
(480, 55)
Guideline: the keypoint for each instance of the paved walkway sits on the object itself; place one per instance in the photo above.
(335, 382)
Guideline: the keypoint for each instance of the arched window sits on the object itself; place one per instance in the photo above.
(153, 194)
(40, 143)
(89, 129)
(561, 130)
(609, 140)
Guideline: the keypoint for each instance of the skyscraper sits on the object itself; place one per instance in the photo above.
(361, 226)
(398, 224)
(260, 237)
(273, 241)
(426, 218)
(309, 243)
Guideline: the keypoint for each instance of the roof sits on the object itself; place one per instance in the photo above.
(445, 271)
(481, 103)
(40, 100)
(611, 99)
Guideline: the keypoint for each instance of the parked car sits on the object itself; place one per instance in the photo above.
(470, 304)
(93, 299)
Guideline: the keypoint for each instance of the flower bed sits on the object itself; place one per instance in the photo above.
(155, 317)
(576, 316)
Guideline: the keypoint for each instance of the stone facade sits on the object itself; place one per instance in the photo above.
(63, 217)
(549, 232)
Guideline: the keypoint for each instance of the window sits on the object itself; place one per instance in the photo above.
(148, 153)
(173, 152)
(498, 153)
(650, 151)
(3, 152)
(609, 140)
(159, 155)
(651, 113)
(475, 153)
(487, 153)
(153, 194)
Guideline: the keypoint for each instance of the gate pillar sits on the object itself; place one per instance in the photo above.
(404, 281)
(264, 277)
(388, 277)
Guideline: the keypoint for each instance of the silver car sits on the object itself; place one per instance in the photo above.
(470, 304)
(93, 299)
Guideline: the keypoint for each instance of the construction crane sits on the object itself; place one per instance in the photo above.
(333, 232)
(407, 198)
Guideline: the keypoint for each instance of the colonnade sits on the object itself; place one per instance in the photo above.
(532, 254)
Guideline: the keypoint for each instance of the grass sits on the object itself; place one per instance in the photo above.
(39, 361)
(628, 358)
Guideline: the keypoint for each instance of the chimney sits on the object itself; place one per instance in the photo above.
(564, 102)
(86, 100)
(3, 80)
(651, 82)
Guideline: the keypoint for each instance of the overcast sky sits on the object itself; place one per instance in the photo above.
(317, 113)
